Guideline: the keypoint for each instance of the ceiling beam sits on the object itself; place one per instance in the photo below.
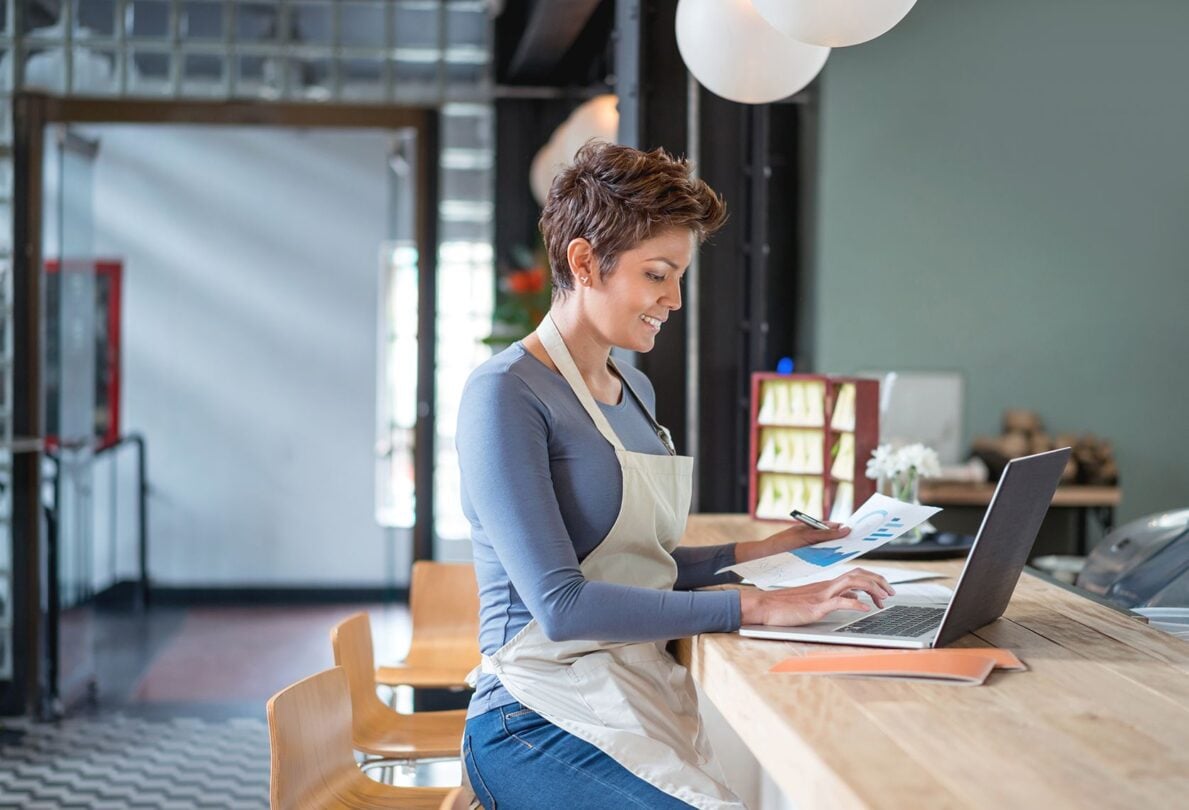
(552, 29)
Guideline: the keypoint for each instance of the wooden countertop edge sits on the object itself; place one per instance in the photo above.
(804, 766)
(791, 761)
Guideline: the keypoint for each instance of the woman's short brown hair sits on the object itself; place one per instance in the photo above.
(615, 197)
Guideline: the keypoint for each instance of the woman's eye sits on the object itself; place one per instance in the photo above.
(656, 277)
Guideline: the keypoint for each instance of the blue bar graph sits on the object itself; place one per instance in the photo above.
(885, 531)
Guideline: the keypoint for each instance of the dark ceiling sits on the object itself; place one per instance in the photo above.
(554, 43)
(541, 43)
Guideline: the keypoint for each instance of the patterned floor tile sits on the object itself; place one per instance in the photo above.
(128, 762)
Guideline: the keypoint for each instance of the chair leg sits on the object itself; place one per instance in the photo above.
(402, 699)
(388, 769)
(407, 774)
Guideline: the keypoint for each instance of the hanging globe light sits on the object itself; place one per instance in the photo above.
(545, 166)
(833, 23)
(734, 53)
(597, 118)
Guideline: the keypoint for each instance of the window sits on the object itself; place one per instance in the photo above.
(466, 290)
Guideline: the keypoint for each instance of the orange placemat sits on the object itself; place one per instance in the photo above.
(968, 665)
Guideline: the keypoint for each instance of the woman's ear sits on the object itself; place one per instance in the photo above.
(580, 257)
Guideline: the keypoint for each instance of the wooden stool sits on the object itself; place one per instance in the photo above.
(444, 599)
(313, 767)
(376, 729)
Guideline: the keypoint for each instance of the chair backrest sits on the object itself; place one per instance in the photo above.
(444, 600)
(457, 799)
(312, 759)
(351, 640)
(309, 732)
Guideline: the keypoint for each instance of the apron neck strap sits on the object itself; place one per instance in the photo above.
(660, 430)
(555, 347)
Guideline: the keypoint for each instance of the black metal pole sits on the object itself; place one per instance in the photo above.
(427, 252)
(142, 512)
(759, 173)
(48, 707)
(21, 695)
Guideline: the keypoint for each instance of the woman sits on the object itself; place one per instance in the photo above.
(577, 501)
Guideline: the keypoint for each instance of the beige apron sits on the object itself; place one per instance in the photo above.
(630, 700)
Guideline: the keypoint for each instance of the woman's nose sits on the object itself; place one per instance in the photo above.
(672, 296)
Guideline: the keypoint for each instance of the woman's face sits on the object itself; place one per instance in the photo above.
(631, 305)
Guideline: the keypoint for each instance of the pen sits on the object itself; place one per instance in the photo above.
(808, 520)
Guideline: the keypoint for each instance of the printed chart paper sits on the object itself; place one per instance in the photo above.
(876, 522)
(894, 576)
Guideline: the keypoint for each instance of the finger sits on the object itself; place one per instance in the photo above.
(858, 585)
(882, 582)
(857, 593)
(884, 586)
(841, 584)
(878, 588)
(843, 603)
(833, 533)
(851, 580)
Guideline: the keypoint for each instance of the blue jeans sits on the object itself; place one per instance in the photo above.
(517, 760)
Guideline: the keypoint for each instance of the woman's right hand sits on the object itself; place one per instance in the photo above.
(805, 604)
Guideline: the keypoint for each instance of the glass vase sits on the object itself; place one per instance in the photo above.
(904, 486)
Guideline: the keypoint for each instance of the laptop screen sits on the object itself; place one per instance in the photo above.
(1004, 540)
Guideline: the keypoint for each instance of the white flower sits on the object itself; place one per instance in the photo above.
(915, 458)
(882, 463)
(921, 459)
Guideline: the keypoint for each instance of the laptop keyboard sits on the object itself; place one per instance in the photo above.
(907, 621)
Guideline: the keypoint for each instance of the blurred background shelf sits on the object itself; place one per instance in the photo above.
(811, 436)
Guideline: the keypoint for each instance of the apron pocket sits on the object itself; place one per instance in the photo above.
(632, 688)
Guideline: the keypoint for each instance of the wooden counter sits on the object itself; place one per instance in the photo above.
(950, 493)
(1101, 719)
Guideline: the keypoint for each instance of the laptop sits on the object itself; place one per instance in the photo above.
(984, 588)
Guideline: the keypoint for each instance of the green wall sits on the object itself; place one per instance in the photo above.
(1004, 190)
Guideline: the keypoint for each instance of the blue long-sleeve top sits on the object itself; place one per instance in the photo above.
(541, 488)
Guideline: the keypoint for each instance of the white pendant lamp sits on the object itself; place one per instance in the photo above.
(735, 54)
(833, 23)
(597, 118)
(545, 166)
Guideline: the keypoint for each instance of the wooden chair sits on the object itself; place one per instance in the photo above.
(458, 799)
(313, 767)
(444, 599)
(376, 729)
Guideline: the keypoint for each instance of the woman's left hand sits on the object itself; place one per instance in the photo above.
(796, 536)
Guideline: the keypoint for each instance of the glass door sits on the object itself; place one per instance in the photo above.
(406, 353)
(440, 330)
(72, 324)
(398, 350)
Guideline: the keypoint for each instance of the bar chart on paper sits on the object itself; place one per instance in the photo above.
(876, 522)
(886, 531)
(823, 556)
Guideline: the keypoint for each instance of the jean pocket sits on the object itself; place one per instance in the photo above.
(476, 778)
(519, 723)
